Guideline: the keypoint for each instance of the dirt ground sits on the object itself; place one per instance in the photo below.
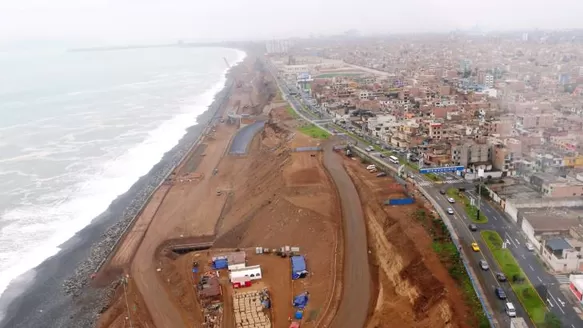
(272, 197)
(413, 288)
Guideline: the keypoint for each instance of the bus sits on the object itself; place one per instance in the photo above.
(393, 159)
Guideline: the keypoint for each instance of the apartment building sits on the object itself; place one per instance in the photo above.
(528, 120)
(470, 152)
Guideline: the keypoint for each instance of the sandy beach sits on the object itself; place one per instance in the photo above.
(57, 292)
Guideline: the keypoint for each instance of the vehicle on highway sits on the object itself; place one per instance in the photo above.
(451, 200)
(510, 310)
(369, 149)
(500, 293)
(393, 160)
(484, 265)
(500, 276)
(442, 191)
(382, 174)
(449, 211)
(370, 167)
(473, 227)
(382, 155)
(529, 247)
(475, 247)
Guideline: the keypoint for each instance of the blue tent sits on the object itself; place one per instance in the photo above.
(298, 267)
(220, 264)
(300, 301)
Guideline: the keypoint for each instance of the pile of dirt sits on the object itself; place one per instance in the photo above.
(414, 287)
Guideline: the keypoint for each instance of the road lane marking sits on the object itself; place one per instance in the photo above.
(556, 302)
(495, 218)
(517, 241)
(524, 257)
(550, 303)
(531, 267)
(539, 279)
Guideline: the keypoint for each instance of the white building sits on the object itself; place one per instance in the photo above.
(277, 46)
(488, 80)
(253, 272)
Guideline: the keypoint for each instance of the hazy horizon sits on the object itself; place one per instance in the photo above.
(125, 21)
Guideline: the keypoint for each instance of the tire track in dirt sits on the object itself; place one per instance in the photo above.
(353, 309)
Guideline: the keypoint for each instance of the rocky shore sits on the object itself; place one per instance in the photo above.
(55, 290)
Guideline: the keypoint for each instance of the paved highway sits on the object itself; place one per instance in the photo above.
(243, 138)
(545, 283)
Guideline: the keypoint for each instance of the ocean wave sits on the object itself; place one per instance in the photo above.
(35, 232)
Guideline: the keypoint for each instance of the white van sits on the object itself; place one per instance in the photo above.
(371, 167)
(510, 310)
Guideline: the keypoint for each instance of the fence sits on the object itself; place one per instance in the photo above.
(446, 221)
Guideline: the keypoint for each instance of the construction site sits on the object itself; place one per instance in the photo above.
(251, 230)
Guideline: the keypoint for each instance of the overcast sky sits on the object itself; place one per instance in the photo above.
(156, 20)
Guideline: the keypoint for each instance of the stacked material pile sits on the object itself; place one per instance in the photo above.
(249, 311)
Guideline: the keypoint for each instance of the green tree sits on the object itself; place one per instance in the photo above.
(552, 321)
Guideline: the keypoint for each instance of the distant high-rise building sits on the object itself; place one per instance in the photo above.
(277, 46)
(488, 80)
(525, 37)
(465, 65)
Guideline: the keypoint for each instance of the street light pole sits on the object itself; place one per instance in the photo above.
(479, 198)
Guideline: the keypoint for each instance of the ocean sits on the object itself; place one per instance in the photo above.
(78, 129)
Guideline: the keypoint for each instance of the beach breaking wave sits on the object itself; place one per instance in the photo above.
(33, 230)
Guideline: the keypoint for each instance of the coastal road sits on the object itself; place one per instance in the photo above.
(243, 138)
(487, 279)
(353, 309)
(545, 283)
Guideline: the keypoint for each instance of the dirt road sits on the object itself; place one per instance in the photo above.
(353, 308)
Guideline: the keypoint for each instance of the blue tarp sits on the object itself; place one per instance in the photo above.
(299, 315)
(298, 267)
(300, 301)
(220, 264)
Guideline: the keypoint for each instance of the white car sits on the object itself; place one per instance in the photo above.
(451, 200)
(449, 211)
(529, 247)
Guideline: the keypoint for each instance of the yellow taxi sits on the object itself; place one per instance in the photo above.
(475, 247)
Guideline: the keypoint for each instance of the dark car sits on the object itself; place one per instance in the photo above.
(462, 189)
(500, 293)
(473, 227)
(442, 191)
(383, 155)
(500, 276)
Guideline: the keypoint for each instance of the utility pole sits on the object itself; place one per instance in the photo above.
(480, 176)
(479, 198)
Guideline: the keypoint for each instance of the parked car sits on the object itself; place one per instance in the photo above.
(382, 174)
(449, 211)
(484, 265)
(529, 247)
(473, 227)
(475, 247)
(500, 293)
(500, 276)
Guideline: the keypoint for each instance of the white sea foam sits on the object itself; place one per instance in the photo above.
(33, 233)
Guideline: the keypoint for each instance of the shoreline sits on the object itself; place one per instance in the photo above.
(59, 295)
